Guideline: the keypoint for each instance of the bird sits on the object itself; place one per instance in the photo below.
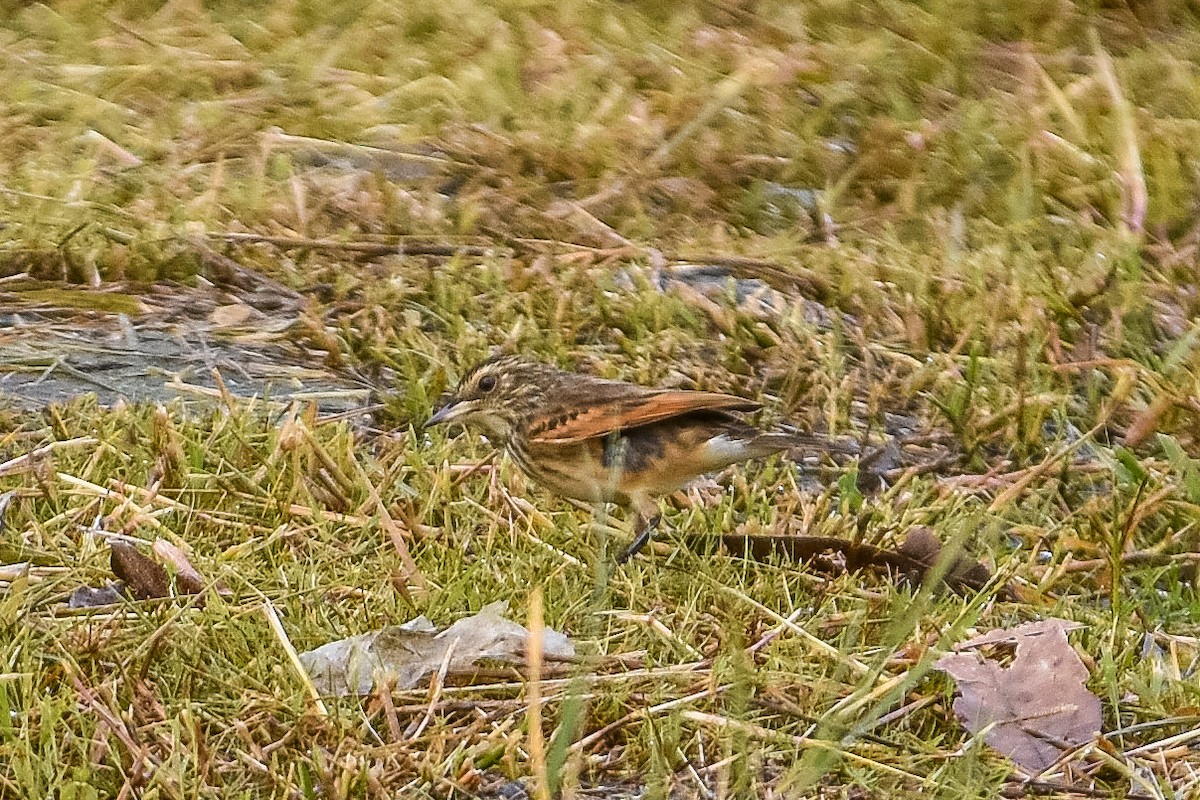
(606, 441)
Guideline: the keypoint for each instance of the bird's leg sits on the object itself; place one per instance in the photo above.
(643, 529)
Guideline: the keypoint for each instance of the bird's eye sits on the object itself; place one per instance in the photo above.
(487, 383)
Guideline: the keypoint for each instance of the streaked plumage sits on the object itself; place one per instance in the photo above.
(605, 441)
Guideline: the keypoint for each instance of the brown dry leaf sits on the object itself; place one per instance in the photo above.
(187, 578)
(144, 576)
(1035, 708)
(405, 654)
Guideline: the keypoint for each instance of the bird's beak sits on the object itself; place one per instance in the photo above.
(448, 413)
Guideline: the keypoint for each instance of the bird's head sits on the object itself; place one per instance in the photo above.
(498, 396)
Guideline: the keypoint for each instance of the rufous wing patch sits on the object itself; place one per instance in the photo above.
(604, 418)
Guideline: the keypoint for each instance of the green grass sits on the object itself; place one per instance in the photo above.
(995, 207)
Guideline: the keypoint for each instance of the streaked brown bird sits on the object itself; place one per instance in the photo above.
(606, 441)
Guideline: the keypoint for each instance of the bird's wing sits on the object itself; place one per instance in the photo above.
(621, 408)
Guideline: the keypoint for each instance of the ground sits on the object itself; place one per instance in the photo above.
(245, 247)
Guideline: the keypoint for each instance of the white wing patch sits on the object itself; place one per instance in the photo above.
(726, 449)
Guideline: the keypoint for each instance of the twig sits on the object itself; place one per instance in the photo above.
(530, 514)
(1136, 558)
(28, 461)
(1188, 737)
(821, 646)
(435, 690)
(398, 247)
(774, 275)
(100, 491)
(803, 742)
(1019, 787)
(642, 713)
(1036, 472)
(293, 657)
(533, 655)
(121, 490)
(393, 530)
(89, 698)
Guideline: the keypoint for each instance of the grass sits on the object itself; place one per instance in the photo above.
(973, 226)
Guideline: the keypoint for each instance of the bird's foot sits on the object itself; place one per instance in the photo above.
(643, 530)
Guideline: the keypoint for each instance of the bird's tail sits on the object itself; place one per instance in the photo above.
(808, 443)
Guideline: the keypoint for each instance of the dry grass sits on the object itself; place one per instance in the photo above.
(968, 231)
